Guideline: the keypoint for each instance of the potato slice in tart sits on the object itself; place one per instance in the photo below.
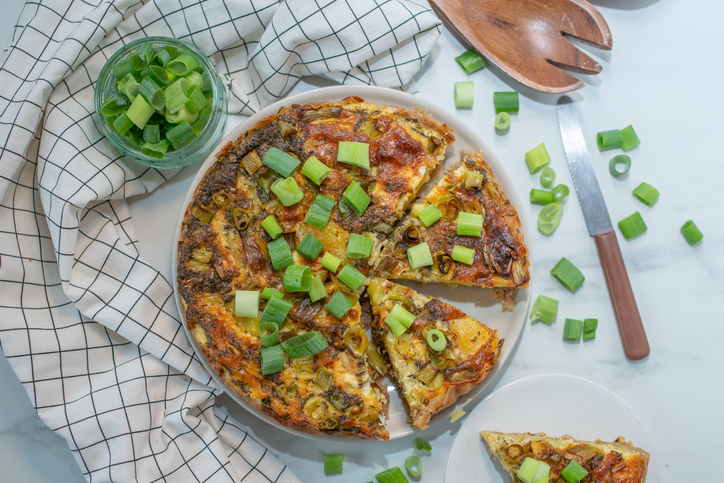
(501, 257)
(430, 381)
(618, 461)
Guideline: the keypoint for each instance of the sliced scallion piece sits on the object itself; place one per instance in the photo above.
(152, 92)
(317, 291)
(246, 303)
(122, 68)
(533, 471)
(288, 191)
(269, 333)
(506, 101)
(159, 76)
(183, 64)
(560, 192)
(156, 150)
(547, 177)
(356, 198)
(330, 262)
(436, 340)
(429, 215)
(332, 464)
(339, 305)
(589, 328)
(572, 329)
(470, 61)
(608, 140)
(280, 254)
(419, 256)
(310, 247)
(568, 274)
(544, 310)
(632, 226)
(182, 114)
(356, 154)
(464, 93)
(315, 170)
(197, 79)
(320, 211)
(537, 158)
(268, 293)
(271, 225)
(176, 95)
(422, 444)
(502, 121)
(115, 104)
(629, 139)
(284, 164)
(413, 465)
(359, 246)
(304, 345)
(549, 218)
(619, 165)
(351, 277)
(272, 359)
(541, 197)
(276, 310)
(691, 232)
(646, 194)
(140, 112)
(180, 135)
(463, 255)
(391, 475)
(399, 320)
(297, 278)
(470, 224)
(122, 124)
(151, 133)
(196, 101)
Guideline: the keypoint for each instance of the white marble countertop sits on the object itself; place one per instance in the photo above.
(663, 76)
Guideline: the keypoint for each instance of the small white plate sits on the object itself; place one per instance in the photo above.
(473, 301)
(554, 404)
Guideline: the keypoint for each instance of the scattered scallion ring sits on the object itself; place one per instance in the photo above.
(646, 194)
(464, 93)
(422, 444)
(310, 247)
(419, 256)
(246, 303)
(351, 277)
(470, 61)
(619, 165)
(272, 359)
(391, 475)
(632, 226)
(629, 139)
(436, 340)
(589, 328)
(549, 218)
(413, 465)
(354, 153)
(339, 305)
(269, 333)
(307, 344)
(547, 177)
(608, 140)
(533, 471)
(691, 233)
(541, 197)
(276, 310)
(572, 329)
(544, 310)
(330, 262)
(502, 121)
(506, 101)
(537, 158)
(399, 320)
(568, 274)
(560, 192)
(298, 278)
(333, 464)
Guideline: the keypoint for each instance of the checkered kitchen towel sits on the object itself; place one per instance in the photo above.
(88, 326)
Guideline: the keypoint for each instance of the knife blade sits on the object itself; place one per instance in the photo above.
(630, 326)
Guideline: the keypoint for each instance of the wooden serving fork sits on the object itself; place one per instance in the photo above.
(525, 38)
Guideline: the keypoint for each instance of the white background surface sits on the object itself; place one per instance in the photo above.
(663, 76)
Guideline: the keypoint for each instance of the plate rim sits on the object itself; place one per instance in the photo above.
(369, 94)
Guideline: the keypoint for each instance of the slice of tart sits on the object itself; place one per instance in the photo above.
(619, 461)
(430, 380)
(500, 256)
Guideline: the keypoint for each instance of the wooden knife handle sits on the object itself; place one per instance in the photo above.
(633, 336)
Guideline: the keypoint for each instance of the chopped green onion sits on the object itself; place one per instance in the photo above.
(356, 154)
(419, 256)
(280, 254)
(691, 233)
(544, 310)
(413, 465)
(502, 121)
(114, 104)
(572, 329)
(152, 93)
(429, 215)
(359, 246)
(271, 225)
(196, 79)
(541, 197)
(470, 224)
(284, 164)
(399, 320)
(619, 165)
(568, 274)
(151, 133)
(464, 92)
(288, 191)
(315, 170)
(163, 57)
(272, 359)
(547, 177)
(573, 473)
(339, 305)
(629, 139)
(183, 64)
(608, 140)
(159, 76)
(560, 192)
(182, 114)
(436, 340)
(317, 291)
(298, 278)
(537, 158)
(181, 135)
(332, 464)
(391, 475)
(122, 124)
(304, 345)
(632, 226)
(276, 310)
(310, 247)
(549, 218)
(246, 303)
(463, 255)
(176, 95)
(140, 112)
(506, 101)
(196, 101)
(320, 211)
(330, 262)
(268, 293)
(122, 68)
(155, 150)
(422, 444)
(269, 333)
(533, 471)
(646, 194)
(470, 61)
(589, 328)
(202, 118)
(356, 197)
(351, 277)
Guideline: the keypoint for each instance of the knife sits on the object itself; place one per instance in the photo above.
(633, 336)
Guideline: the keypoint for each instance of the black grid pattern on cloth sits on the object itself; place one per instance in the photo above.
(88, 326)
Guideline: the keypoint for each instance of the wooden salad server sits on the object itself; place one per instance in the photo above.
(526, 38)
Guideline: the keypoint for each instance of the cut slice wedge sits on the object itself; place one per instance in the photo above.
(430, 381)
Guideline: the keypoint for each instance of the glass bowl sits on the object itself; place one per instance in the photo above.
(201, 146)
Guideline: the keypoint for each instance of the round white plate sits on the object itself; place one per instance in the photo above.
(554, 404)
(473, 301)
